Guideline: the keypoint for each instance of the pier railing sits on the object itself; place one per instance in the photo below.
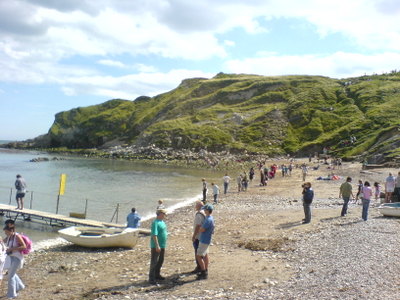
(30, 197)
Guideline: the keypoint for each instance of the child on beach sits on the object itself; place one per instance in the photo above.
(359, 191)
(160, 205)
(378, 189)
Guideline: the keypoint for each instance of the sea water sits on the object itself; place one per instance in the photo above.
(110, 187)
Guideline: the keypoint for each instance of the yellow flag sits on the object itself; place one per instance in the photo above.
(63, 179)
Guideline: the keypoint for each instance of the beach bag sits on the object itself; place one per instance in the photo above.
(28, 243)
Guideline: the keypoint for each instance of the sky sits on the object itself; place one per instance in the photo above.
(58, 55)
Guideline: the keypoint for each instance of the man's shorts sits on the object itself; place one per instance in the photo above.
(203, 249)
(390, 190)
(20, 195)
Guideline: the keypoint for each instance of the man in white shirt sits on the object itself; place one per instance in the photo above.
(226, 179)
(389, 187)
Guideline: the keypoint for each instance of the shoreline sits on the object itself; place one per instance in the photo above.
(260, 250)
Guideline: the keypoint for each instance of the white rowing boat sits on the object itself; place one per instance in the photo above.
(390, 209)
(94, 237)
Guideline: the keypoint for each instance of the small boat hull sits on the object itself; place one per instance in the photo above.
(390, 209)
(93, 237)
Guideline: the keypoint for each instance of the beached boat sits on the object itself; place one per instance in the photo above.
(390, 209)
(96, 237)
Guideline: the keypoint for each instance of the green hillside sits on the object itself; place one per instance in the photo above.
(269, 115)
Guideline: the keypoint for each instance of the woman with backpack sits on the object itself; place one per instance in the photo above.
(15, 244)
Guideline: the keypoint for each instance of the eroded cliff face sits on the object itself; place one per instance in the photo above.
(271, 115)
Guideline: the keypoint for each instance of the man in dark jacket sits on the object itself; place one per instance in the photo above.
(308, 196)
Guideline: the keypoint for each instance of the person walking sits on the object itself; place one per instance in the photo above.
(389, 187)
(206, 230)
(345, 192)
(304, 171)
(204, 190)
(359, 190)
(158, 243)
(366, 199)
(20, 186)
(377, 187)
(308, 196)
(226, 179)
(133, 219)
(251, 174)
(215, 192)
(198, 221)
(239, 183)
(397, 187)
(15, 244)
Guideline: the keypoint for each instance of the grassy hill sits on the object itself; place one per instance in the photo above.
(269, 115)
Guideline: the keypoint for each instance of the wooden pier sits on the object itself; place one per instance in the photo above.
(51, 219)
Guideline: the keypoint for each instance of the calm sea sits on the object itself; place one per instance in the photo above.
(103, 183)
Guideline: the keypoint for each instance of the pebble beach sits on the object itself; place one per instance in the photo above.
(260, 250)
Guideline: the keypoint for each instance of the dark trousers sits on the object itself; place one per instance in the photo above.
(307, 212)
(345, 205)
(156, 262)
(195, 246)
(397, 193)
(226, 187)
(204, 195)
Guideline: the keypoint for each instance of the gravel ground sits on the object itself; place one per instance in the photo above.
(260, 251)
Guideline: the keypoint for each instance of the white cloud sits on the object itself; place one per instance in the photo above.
(111, 63)
(39, 36)
(337, 65)
(129, 86)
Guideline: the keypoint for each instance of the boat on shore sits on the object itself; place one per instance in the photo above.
(99, 237)
(390, 209)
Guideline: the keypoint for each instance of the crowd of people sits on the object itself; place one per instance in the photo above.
(203, 224)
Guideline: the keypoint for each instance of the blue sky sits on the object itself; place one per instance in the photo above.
(58, 55)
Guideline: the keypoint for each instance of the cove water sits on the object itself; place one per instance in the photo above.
(104, 183)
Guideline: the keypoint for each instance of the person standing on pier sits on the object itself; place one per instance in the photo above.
(158, 243)
(20, 186)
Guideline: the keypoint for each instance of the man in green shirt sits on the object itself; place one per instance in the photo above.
(345, 192)
(158, 243)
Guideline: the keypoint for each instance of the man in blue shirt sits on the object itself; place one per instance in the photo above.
(206, 232)
(133, 219)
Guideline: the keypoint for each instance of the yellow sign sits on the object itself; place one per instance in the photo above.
(63, 179)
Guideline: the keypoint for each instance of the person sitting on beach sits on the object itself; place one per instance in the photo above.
(206, 230)
(133, 219)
